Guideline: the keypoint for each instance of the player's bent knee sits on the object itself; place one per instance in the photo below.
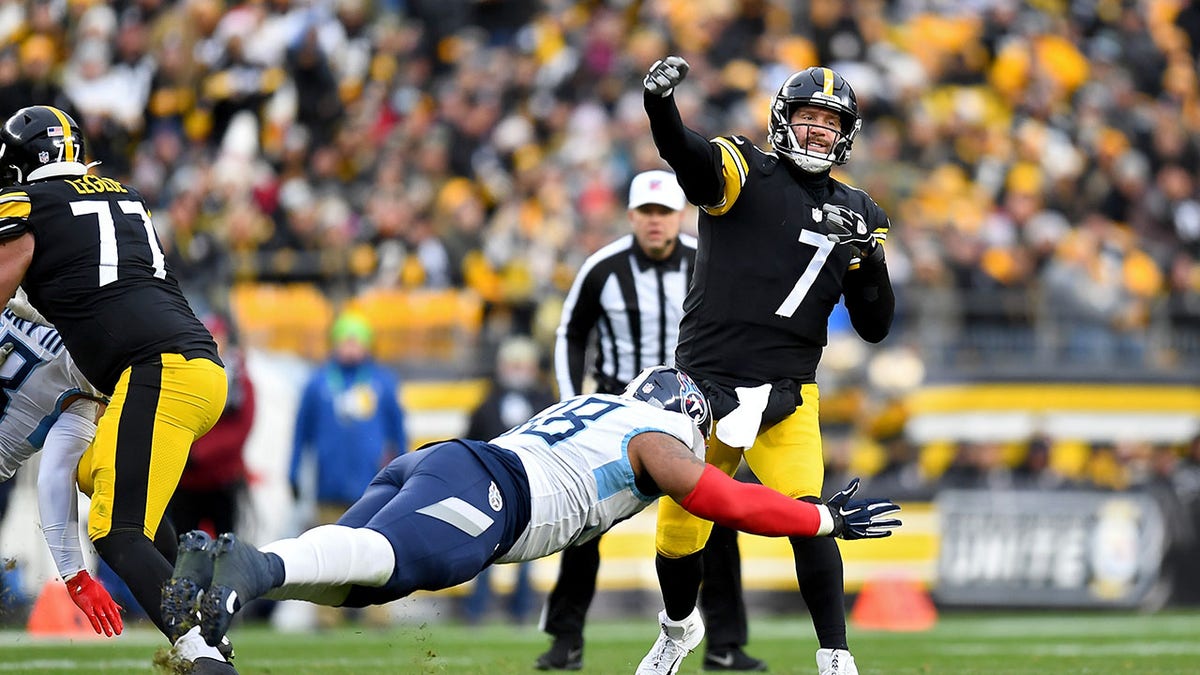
(680, 542)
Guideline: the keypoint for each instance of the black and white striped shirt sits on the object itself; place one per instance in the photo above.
(633, 304)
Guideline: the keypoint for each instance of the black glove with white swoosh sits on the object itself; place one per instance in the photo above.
(847, 226)
(861, 518)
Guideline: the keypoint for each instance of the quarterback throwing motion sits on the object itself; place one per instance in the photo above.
(781, 242)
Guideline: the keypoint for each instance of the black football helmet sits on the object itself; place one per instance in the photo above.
(37, 137)
(670, 389)
(819, 87)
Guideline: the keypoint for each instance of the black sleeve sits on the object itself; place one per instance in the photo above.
(869, 297)
(696, 162)
(582, 317)
(11, 229)
(481, 424)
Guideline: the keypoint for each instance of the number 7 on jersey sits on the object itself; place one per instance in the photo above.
(805, 282)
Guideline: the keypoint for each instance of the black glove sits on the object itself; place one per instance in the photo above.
(849, 227)
(861, 518)
(665, 75)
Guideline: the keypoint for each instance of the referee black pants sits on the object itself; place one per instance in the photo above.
(721, 599)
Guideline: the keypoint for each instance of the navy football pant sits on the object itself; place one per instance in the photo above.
(445, 515)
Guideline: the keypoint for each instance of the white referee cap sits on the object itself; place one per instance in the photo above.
(656, 187)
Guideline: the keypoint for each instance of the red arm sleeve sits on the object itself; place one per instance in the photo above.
(754, 508)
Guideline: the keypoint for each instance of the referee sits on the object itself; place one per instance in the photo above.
(629, 295)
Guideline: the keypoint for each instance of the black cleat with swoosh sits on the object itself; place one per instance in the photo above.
(731, 660)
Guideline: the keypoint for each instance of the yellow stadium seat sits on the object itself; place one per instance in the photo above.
(283, 317)
(422, 324)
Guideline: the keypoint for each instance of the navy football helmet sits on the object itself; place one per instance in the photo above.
(670, 389)
(823, 88)
(40, 142)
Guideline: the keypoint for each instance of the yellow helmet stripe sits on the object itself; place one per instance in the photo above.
(68, 137)
(827, 74)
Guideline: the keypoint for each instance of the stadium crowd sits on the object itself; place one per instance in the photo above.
(1038, 158)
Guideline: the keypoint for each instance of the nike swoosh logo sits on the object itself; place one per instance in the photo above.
(726, 660)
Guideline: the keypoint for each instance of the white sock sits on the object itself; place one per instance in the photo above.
(335, 555)
(190, 646)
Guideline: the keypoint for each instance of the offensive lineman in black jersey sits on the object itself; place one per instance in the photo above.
(780, 241)
(84, 249)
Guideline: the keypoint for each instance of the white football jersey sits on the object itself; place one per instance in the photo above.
(580, 479)
(36, 377)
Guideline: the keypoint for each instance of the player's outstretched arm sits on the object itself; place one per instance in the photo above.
(705, 491)
(697, 163)
(58, 507)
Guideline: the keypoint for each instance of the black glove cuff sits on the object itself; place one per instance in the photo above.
(876, 253)
(839, 523)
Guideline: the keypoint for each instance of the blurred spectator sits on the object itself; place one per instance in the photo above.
(1035, 472)
(38, 83)
(978, 465)
(1186, 481)
(214, 479)
(349, 425)
(1104, 469)
(318, 105)
(518, 391)
(1183, 303)
(901, 477)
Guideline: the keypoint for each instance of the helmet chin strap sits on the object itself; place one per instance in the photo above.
(812, 164)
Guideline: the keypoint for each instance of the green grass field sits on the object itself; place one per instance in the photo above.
(992, 644)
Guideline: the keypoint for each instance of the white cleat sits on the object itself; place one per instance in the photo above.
(676, 639)
(835, 662)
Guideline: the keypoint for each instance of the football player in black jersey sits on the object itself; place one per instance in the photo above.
(84, 249)
(780, 242)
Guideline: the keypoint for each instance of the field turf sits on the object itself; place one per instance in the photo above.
(984, 643)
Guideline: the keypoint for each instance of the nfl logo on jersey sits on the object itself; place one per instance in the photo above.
(44, 156)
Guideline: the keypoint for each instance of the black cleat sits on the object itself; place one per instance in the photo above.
(241, 573)
(733, 660)
(192, 575)
(207, 666)
(562, 655)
